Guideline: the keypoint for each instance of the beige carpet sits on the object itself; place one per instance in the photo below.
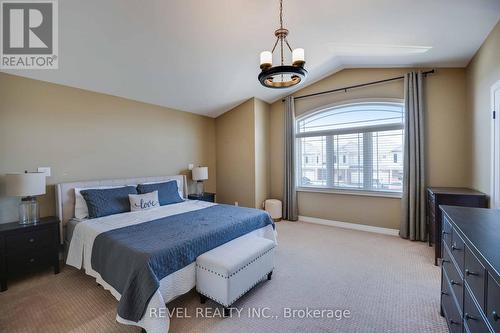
(388, 285)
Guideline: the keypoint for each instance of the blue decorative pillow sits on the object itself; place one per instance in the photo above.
(104, 202)
(168, 192)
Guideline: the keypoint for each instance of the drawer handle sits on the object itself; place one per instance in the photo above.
(32, 260)
(495, 315)
(444, 261)
(453, 282)
(467, 272)
(445, 233)
(452, 322)
(444, 293)
(454, 247)
(31, 240)
(469, 317)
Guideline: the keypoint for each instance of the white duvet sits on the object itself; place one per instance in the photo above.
(172, 286)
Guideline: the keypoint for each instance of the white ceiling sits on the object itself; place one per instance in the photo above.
(202, 56)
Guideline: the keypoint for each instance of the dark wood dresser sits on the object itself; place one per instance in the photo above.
(470, 281)
(28, 247)
(453, 196)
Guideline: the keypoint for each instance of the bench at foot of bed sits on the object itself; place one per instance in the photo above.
(227, 272)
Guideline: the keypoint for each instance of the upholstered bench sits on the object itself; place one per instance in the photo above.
(227, 272)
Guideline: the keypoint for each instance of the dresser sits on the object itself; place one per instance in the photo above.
(27, 248)
(470, 272)
(453, 196)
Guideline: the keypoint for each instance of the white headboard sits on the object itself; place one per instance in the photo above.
(65, 194)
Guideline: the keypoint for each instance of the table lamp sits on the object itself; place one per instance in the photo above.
(199, 175)
(26, 185)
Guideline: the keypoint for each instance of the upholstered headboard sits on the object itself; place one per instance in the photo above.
(65, 194)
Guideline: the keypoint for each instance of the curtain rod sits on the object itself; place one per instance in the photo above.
(345, 89)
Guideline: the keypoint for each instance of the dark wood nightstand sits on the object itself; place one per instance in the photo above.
(28, 247)
(206, 196)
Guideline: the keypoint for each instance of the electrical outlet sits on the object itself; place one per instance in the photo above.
(45, 170)
(190, 166)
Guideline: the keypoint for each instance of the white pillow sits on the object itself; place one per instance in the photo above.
(144, 201)
(81, 209)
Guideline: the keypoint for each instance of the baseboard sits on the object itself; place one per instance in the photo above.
(353, 226)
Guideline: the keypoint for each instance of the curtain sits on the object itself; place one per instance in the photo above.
(290, 211)
(413, 224)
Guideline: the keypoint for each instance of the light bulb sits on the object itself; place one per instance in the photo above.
(298, 58)
(266, 60)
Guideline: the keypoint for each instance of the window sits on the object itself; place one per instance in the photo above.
(366, 136)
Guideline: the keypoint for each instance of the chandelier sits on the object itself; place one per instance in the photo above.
(282, 76)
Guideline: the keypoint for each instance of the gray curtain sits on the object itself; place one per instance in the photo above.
(413, 224)
(290, 211)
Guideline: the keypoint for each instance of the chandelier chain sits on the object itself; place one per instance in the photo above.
(281, 14)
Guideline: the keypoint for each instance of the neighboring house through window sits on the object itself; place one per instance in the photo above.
(366, 135)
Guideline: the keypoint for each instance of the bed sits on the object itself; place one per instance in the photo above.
(81, 237)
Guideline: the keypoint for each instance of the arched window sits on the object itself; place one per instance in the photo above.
(352, 146)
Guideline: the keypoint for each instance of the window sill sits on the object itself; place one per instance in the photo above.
(394, 195)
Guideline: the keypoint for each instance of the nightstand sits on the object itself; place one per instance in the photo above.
(206, 196)
(28, 247)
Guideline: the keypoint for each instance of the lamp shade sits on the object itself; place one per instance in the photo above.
(200, 173)
(25, 184)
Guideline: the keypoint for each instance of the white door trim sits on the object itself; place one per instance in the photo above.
(495, 148)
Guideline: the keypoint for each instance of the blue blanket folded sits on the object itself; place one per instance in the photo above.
(134, 259)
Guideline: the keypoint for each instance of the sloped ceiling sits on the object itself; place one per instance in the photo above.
(202, 56)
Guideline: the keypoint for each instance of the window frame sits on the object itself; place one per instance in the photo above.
(354, 130)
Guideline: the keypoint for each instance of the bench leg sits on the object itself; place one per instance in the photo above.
(203, 298)
(269, 275)
(143, 330)
(227, 312)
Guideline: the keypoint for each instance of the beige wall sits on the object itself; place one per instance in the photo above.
(481, 73)
(262, 162)
(243, 154)
(235, 138)
(83, 135)
(447, 153)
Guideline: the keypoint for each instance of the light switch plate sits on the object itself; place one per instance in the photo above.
(190, 166)
(45, 170)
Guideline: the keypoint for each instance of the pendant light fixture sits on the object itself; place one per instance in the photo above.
(282, 76)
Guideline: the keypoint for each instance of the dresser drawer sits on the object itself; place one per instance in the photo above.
(455, 280)
(475, 276)
(34, 239)
(446, 231)
(451, 312)
(493, 303)
(472, 315)
(29, 261)
(457, 250)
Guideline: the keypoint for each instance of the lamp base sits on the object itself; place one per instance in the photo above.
(28, 211)
(199, 188)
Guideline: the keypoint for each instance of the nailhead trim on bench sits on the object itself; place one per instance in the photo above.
(233, 274)
(236, 272)
(243, 293)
